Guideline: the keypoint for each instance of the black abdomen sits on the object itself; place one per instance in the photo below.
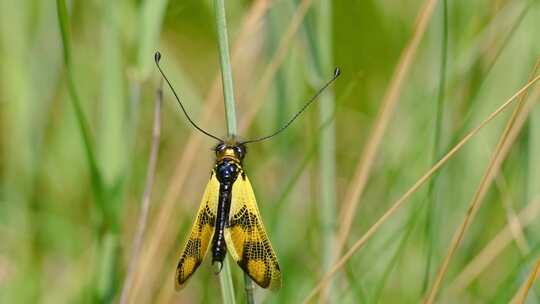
(226, 173)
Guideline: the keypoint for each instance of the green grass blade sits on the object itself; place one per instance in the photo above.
(112, 121)
(432, 194)
(477, 88)
(107, 280)
(319, 34)
(225, 281)
(277, 210)
(225, 277)
(151, 18)
(95, 174)
(226, 70)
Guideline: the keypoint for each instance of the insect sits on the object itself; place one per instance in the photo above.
(228, 219)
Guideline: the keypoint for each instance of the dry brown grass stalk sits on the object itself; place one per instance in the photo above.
(272, 68)
(164, 228)
(516, 227)
(490, 252)
(488, 41)
(145, 201)
(395, 206)
(499, 155)
(389, 102)
(486, 256)
(523, 291)
(161, 231)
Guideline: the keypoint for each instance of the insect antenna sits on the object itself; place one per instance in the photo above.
(337, 72)
(157, 58)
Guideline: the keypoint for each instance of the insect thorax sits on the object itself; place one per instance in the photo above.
(227, 170)
(229, 161)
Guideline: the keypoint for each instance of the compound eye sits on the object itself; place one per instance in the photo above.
(220, 148)
(239, 152)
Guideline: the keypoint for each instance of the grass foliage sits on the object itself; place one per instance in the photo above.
(77, 90)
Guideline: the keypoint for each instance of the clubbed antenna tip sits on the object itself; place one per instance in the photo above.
(337, 72)
(157, 58)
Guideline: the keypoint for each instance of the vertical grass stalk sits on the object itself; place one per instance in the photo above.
(63, 20)
(413, 220)
(277, 19)
(249, 286)
(496, 160)
(386, 109)
(151, 18)
(145, 202)
(420, 182)
(226, 71)
(225, 281)
(106, 198)
(528, 284)
(494, 60)
(23, 125)
(95, 174)
(111, 149)
(432, 195)
(319, 34)
(225, 277)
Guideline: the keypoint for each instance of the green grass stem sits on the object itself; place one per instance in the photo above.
(474, 95)
(432, 216)
(226, 69)
(225, 277)
(77, 92)
(105, 198)
(225, 281)
(82, 122)
(320, 42)
(412, 223)
(112, 149)
(277, 210)
(277, 20)
(151, 19)
(509, 284)
(534, 154)
(112, 142)
(107, 274)
(249, 287)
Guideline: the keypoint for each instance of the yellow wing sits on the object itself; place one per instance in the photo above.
(201, 234)
(246, 238)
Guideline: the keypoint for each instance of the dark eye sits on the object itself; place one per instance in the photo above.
(240, 151)
(220, 147)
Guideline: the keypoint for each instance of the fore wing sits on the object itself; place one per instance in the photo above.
(246, 238)
(201, 234)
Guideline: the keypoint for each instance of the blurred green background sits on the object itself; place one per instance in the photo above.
(66, 229)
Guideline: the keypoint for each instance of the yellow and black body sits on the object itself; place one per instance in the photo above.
(229, 221)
